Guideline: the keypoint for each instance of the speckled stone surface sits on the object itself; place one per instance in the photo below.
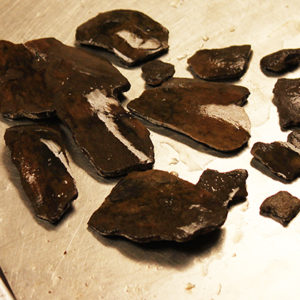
(282, 207)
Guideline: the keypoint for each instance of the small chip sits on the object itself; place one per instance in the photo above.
(282, 207)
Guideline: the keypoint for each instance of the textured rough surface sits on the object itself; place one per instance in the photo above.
(201, 110)
(45, 179)
(131, 35)
(155, 205)
(282, 158)
(228, 187)
(156, 72)
(287, 99)
(114, 142)
(294, 138)
(280, 61)
(282, 207)
(220, 64)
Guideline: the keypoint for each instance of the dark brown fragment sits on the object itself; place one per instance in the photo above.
(281, 61)
(282, 158)
(294, 138)
(282, 207)
(131, 35)
(27, 87)
(45, 179)
(156, 72)
(154, 206)
(182, 105)
(100, 71)
(221, 64)
(287, 100)
(228, 187)
(100, 125)
(23, 87)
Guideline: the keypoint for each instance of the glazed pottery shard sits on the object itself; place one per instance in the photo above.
(155, 205)
(45, 179)
(102, 74)
(200, 110)
(282, 207)
(227, 187)
(281, 61)
(156, 72)
(23, 89)
(114, 142)
(287, 99)
(294, 138)
(221, 64)
(131, 35)
(282, 158)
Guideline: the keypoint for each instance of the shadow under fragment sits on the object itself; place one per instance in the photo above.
(165, 253)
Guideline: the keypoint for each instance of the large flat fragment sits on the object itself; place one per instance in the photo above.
(27, 87)
(131, 35)
(114, 142)
(281, 61)
(282, 207)
(23, 87)
(221, 64)
(45, 179)
(155, 72)
(282, 158)
(155, 205)
(228, 187)
(101, 72)
(294, 138)
(201, 110)
(287, 100)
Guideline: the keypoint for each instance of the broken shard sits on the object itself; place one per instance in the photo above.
(287, 100)
(281, 158)
(282, 207)
(131, 35)
(281, 61)
(45, 179)
(220, 64)
(154, 206)
(204, 111)
(228, 187)
(155, 72)
(83, 88)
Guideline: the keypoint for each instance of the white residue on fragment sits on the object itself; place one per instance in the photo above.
(194, 206)
(191, 228)
(137, 42)
(121, 55)
(101, 106)
(57, 151)
(232, 193)
(232, 114)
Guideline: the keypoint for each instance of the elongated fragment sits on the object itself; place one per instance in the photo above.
(155, 205)
(46, 181)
